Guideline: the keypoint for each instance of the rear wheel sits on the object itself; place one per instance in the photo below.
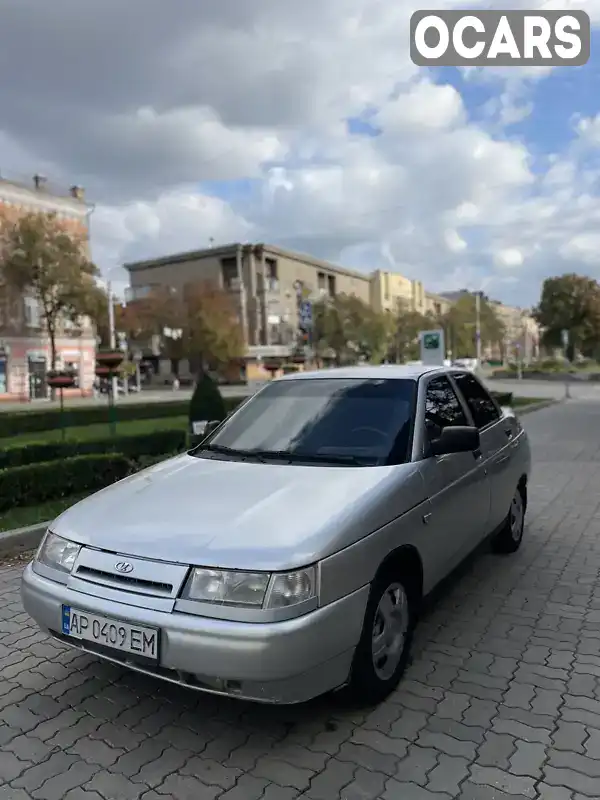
(508, 540)
(383, 651)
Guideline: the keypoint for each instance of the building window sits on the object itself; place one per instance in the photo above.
(271, 268)
(271, 274)
(32, 312)
(321, 283)
(3, 375)
(331, 285)
(137, 292)
(229, 272)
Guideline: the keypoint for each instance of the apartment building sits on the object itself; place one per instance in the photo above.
(436, 304)
(24, 346)
(268, 284)
(390, 291)
(265, 282)
(522, 333)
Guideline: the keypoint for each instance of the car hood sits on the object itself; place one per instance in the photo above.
(234, 514)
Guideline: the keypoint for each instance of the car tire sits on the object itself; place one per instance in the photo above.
(374, 675)
(509, 538)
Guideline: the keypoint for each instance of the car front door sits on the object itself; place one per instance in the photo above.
(498, 441)
(456, 483)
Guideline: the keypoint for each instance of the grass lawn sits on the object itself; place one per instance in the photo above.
(87, 432)
(31, 515)
(527, 401)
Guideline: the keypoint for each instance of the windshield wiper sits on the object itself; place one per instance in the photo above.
(221, 449)
(282, 455)
(316, 458)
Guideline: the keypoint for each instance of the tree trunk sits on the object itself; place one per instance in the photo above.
(52, 341)
(199, 367)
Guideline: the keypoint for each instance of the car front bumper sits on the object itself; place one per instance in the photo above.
(277, 662)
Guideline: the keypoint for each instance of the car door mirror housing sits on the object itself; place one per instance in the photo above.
(456, 439)
(211, 426)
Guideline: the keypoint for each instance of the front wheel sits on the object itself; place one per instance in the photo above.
(383, 651)
(509, 538)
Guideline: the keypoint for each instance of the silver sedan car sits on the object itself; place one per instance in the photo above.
(287, 555)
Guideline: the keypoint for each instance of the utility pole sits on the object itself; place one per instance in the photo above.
(112, 333)
(478, 327)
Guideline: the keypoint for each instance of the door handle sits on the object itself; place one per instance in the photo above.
(508, 432)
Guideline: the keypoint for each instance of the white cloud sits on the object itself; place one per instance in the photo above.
(454, 242)
(509, 258)
(261, 92)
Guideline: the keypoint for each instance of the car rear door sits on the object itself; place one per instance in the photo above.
(456, 483)
(498, 438)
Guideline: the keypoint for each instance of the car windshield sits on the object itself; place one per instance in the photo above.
(351, 421)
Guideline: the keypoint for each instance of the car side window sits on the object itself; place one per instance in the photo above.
(442, 406)
(481, 405)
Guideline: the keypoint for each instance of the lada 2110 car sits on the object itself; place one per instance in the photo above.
(287, 554)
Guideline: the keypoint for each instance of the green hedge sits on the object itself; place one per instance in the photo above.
(503, 398)
(33, 484)
(13, 423)
(153, 443)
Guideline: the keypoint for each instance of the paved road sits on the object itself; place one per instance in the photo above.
(502, 699)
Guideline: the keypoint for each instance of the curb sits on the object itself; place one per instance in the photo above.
(20, 540)
(535, 407)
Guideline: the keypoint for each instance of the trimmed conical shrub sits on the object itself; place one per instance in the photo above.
(206, 403)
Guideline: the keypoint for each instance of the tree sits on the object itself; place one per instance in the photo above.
(95, 306)
(40, 257)
(459, 324)
(204, 316)
(212, 332)
(350, 329)
(404, 344)
(571, 303)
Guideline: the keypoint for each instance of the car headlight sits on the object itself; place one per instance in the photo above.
(250, 589)
(58, 553)
(291, 588)
(227, 588)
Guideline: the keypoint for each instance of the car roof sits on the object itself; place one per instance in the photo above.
(371, 372)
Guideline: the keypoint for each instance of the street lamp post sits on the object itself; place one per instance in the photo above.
(478, 328)
(112, 334)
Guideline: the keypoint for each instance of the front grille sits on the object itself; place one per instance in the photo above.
(142, 585)
(145, 577)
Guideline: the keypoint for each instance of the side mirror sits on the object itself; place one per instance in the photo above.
(458, 439)
(211, 426)
(200, 430)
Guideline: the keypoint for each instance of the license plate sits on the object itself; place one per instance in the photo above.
(134, 639)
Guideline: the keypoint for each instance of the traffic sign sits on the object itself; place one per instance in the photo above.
(432, 347)
(306, 313)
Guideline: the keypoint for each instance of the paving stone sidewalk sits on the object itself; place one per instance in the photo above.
(502, 699)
